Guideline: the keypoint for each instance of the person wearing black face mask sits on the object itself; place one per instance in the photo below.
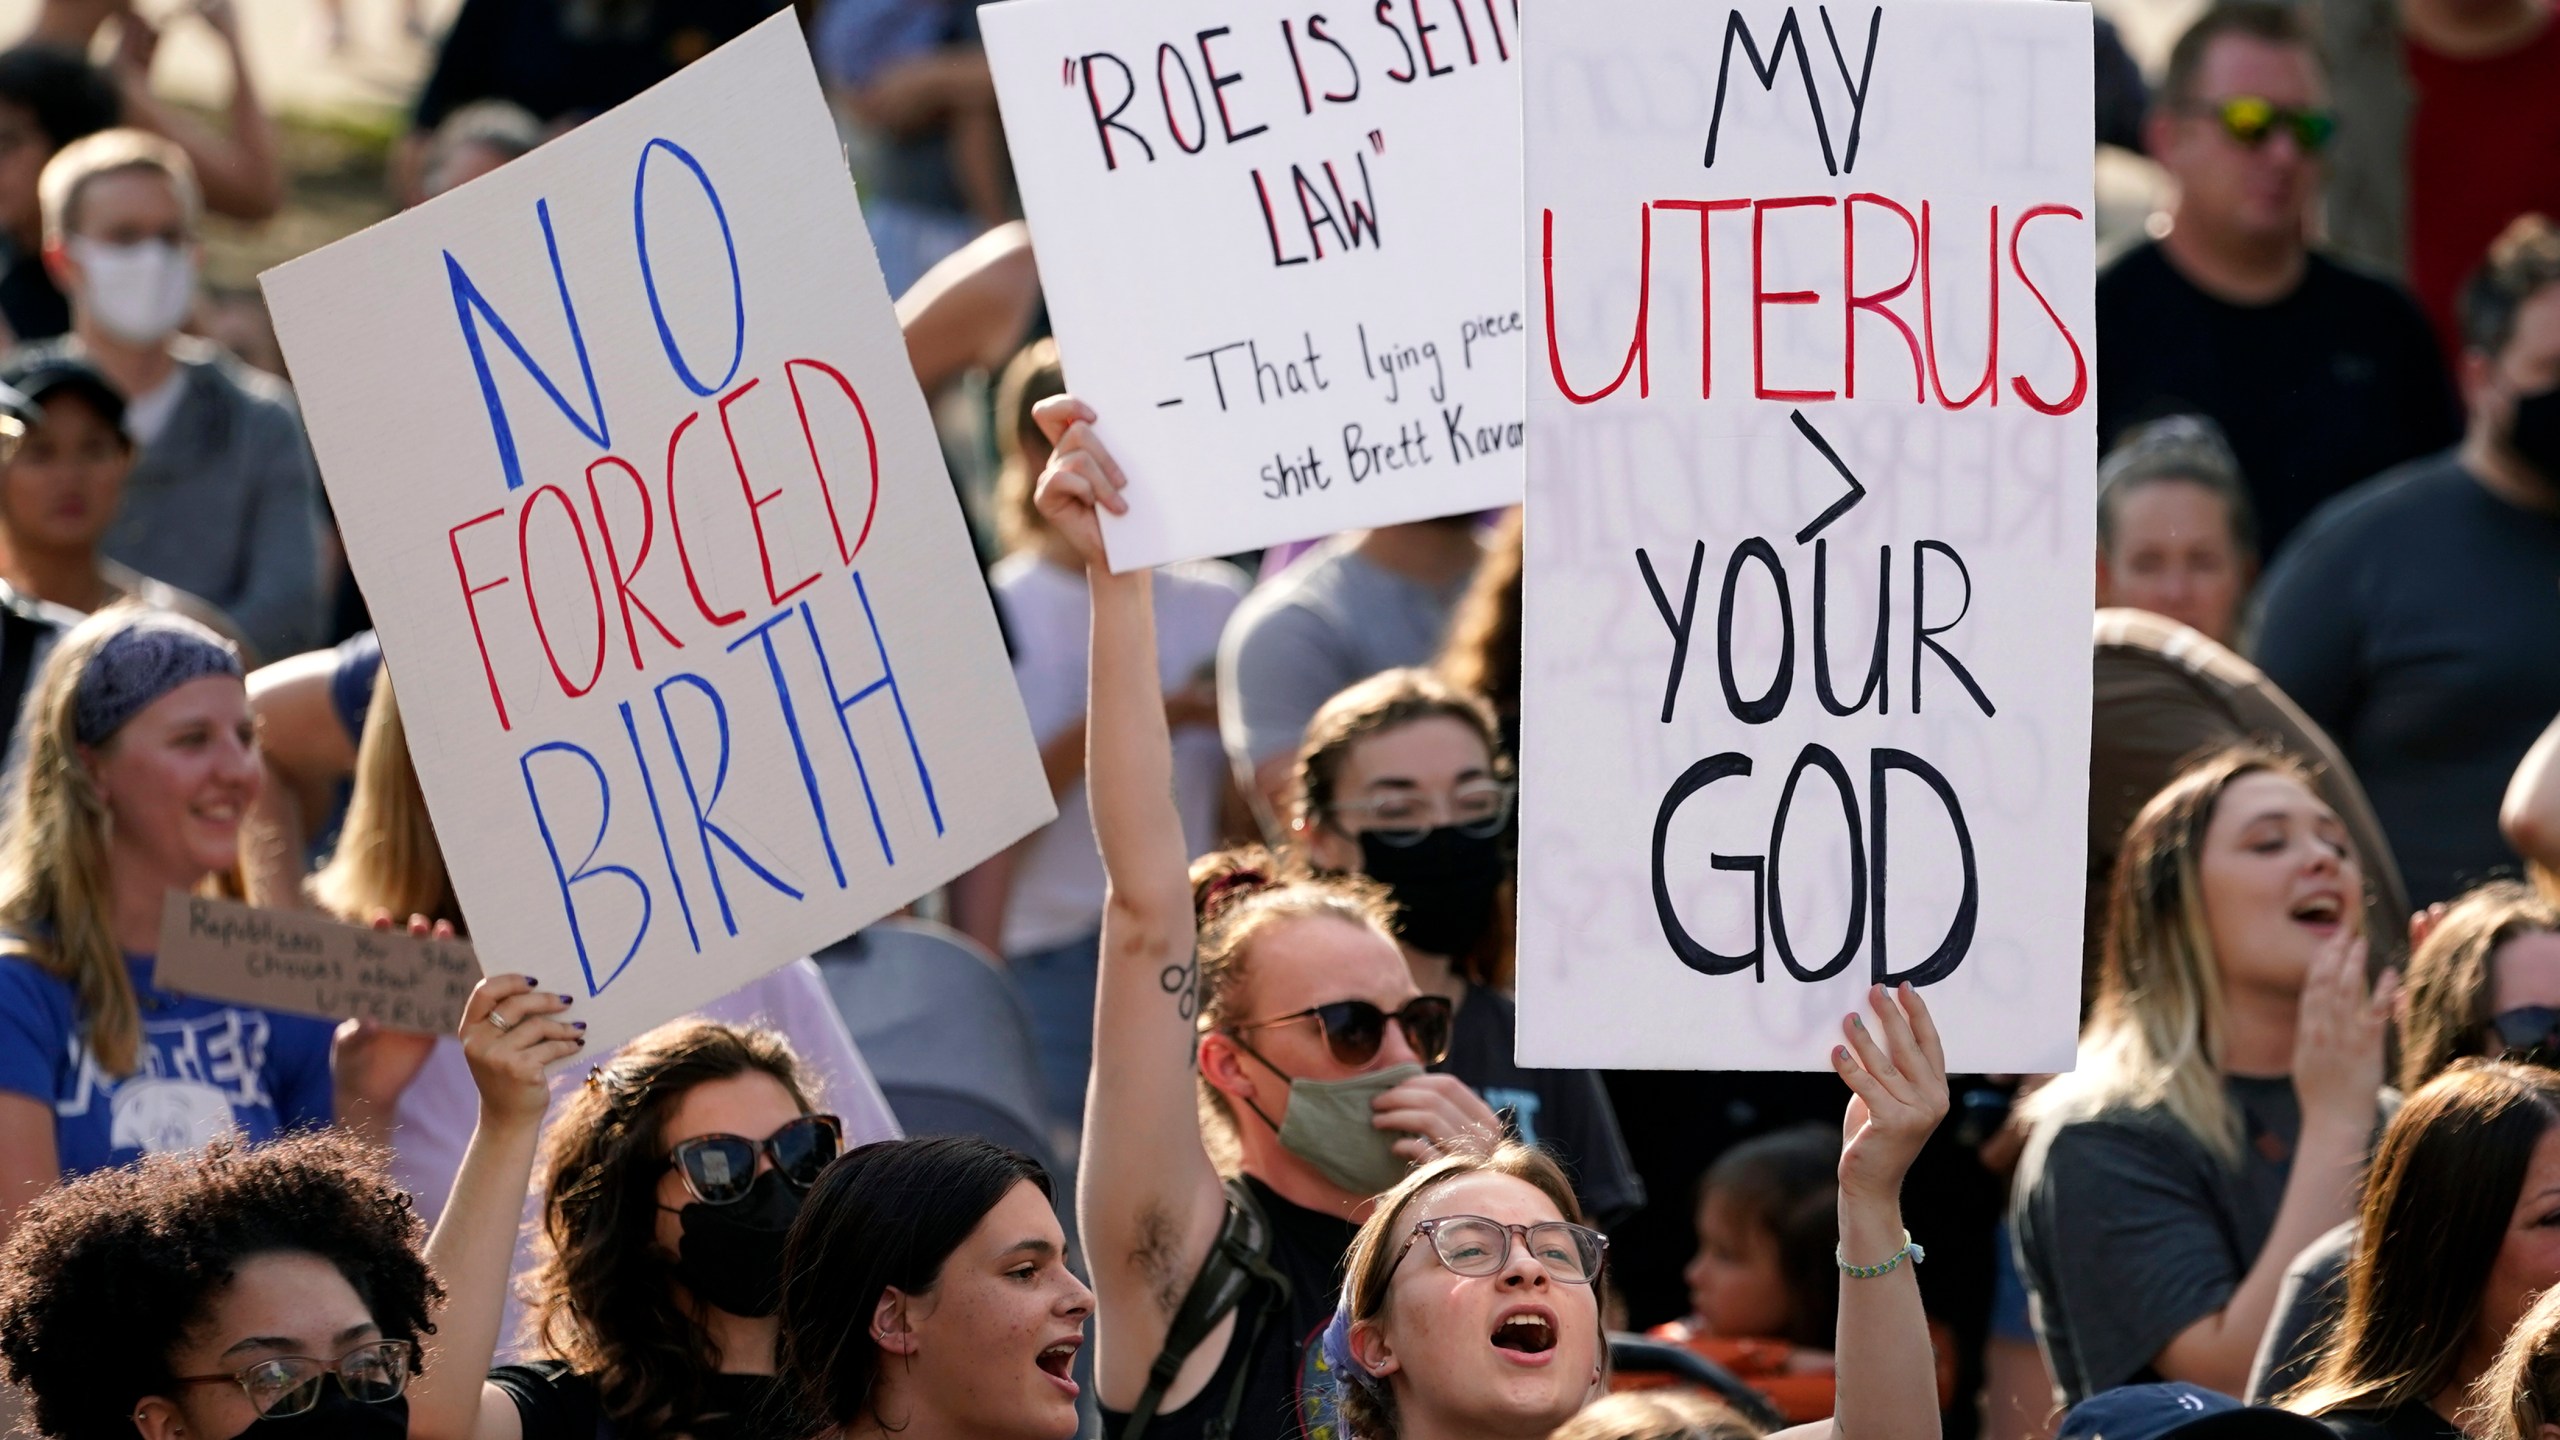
(669, 1182)
(234, 1293)
(1401, 779)
(2416, 616)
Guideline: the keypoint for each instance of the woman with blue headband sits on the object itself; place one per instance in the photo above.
(141, 761)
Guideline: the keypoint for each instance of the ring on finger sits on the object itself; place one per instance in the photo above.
(500, 1021)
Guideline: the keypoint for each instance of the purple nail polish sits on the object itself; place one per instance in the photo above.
(529, 980)
(568, 999)
(578, 1025)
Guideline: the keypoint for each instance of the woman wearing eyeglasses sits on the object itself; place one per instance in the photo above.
(1402, 778)
(1265, 1015)
(669, 1182)
(1472, 1309)
(237, 1291)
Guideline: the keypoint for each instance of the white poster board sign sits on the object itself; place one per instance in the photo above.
(1810, 503)
(1278, 248)
(697, 665)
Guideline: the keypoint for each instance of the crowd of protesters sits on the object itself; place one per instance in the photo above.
(1277, 1175)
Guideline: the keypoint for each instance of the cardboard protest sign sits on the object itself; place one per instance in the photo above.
(305, 963)
(695, 657)
(1277, 244)
(1810, 519)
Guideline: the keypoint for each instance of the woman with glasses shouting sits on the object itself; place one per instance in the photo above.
(229, 1292)
(1402, 779)
(1473, 1306)
(668, 1182)
(1269, 1017)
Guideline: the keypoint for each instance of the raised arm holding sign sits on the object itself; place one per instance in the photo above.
(700, 671)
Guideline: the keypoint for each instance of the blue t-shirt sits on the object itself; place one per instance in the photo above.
(206, 1068)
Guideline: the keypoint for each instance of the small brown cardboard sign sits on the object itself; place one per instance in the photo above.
(304, 963)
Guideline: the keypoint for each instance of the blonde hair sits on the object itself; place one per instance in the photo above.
(2452, 979)
(1237, 896)
(2520, 1392)
(1033, 375)
(1669, 1414)
(387, 861)
(57, 886)
(111, 152)
(1369, 1413)
(2154, 1039)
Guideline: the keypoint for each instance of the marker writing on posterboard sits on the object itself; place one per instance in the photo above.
(1763, 575)
(1215, 89)
(306, 963)
(594, 564)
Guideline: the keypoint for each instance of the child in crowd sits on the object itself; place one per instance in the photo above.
(1763, 1294)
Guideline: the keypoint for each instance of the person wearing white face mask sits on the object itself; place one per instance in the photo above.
(223, 502)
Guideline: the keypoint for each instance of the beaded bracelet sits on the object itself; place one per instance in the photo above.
(1891, 1263)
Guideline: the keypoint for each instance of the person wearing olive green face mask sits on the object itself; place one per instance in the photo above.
(1261, 1012)
(1402, 779)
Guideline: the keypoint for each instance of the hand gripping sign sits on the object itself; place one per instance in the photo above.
(698, 668)
(1812, 450)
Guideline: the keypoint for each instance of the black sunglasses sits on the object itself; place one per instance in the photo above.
(2530, 1034)
(719, 1169)
(1354, 1029)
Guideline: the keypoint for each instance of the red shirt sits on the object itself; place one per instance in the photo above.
(2484, 148)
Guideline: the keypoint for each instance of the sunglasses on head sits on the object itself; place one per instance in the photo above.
(2529, 1034)
(2252, 120)
(1354, 1029)
(719, 1169)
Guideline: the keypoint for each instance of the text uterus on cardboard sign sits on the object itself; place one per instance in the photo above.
(1807, 645)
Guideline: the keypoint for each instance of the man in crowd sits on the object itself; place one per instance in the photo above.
(2321, 375)
(2417, 617)
(1369, 601)
(224, 502)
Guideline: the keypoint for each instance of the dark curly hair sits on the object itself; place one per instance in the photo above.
(606, 1291)
(105, 1273)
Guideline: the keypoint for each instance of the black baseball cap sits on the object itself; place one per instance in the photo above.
(50, 372)
(2183, 1412)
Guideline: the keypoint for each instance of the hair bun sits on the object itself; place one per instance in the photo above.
(1226, 879)
(1229, 888)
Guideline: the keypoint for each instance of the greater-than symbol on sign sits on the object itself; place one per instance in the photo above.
(1841, 506)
